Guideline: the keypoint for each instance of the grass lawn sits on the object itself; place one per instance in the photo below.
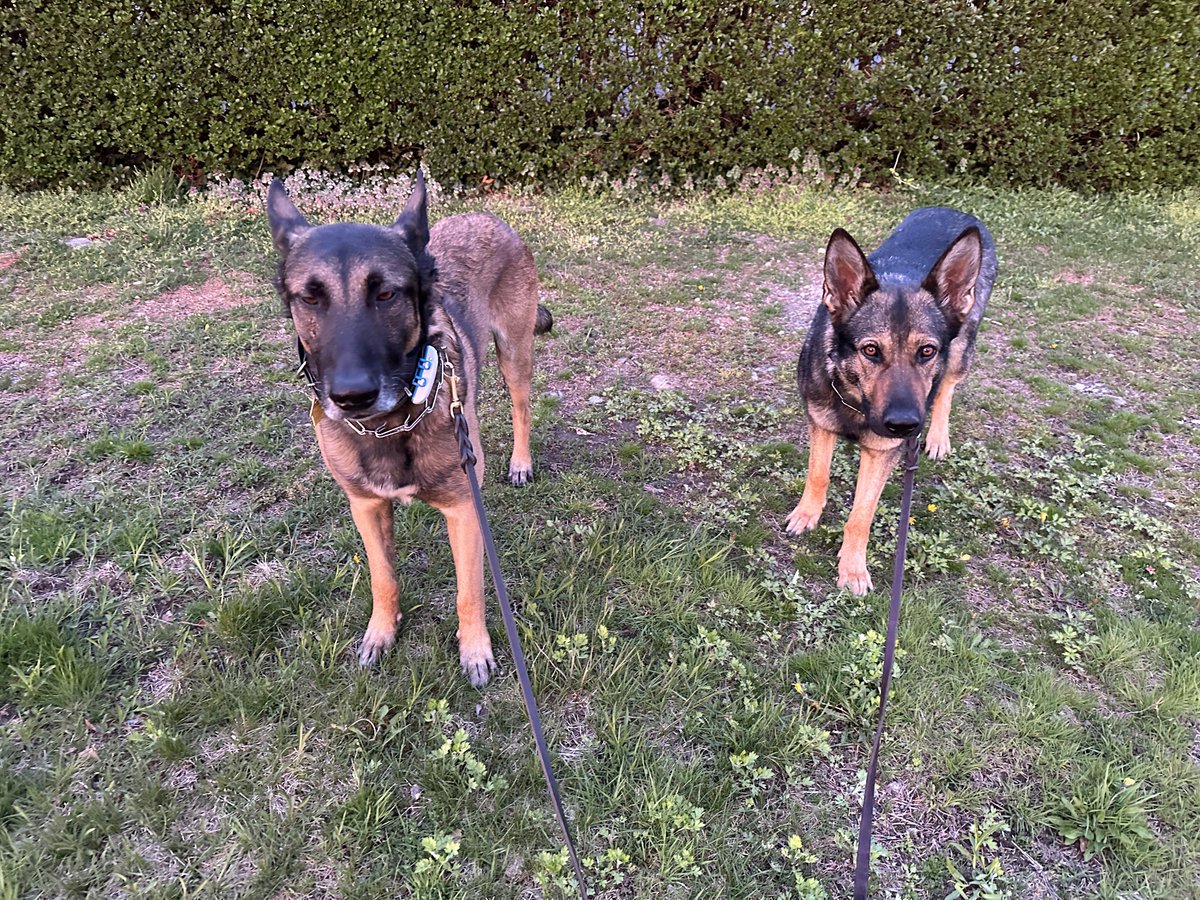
(181, 586)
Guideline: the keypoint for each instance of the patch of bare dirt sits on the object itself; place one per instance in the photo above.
(1157, 319)
(578, 738)
(10, 258)
(1069, 276)
(219, 292)
(670, 345)
(15, 366)
(799, 304)
(228, 291)
(161, 682)
(83, 327)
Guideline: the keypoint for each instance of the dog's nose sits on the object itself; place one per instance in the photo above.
(902, 422)
(353, 394)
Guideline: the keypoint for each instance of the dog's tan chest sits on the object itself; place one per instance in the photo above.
(388, 476)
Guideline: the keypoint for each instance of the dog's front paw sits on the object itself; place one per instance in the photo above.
(520, 471)
(477, 660)
(802, 519)
(853, 574)
(377, 640)
(937, 442)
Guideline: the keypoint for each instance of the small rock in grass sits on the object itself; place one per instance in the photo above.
(661, 383)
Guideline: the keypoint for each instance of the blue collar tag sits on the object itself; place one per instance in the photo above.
(425, 375)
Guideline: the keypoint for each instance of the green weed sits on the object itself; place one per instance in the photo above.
(1104, 813)
(984, 877)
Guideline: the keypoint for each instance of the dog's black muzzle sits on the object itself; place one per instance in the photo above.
(355, 384)
(901, 417)
(353, 391)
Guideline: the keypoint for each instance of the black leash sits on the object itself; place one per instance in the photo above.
(467, 454)
(862, 858)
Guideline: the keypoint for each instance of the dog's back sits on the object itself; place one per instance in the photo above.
(479, 249)
(912, 249)
(487, 272)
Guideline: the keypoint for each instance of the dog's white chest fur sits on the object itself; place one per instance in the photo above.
(405, 494)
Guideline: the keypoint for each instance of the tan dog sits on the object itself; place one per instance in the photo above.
(383, 316)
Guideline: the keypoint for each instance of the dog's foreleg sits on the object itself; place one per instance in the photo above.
(373, 517)
(820, 453)
(873, 470)
(466, 543)
(937, 441)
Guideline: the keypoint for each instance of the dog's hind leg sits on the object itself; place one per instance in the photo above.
(820, 453)
(516, 365)
(515, 319)
(373, 517)
(937, 440)
(466, 544)
(873, 470)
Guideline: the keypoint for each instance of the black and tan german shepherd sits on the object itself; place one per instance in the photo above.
(384, 316)
(893, 330)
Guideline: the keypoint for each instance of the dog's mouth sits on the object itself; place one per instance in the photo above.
(363, 402)
(383, 406)
(359, 394)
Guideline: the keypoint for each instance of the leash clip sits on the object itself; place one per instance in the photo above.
(455, 402)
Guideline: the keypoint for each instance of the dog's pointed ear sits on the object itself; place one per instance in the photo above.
(286, 221)
(952, 278)
(413, 223)
(848, 276)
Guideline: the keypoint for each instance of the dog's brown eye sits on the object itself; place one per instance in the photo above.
(310, 299)
(385, 296)
(870, 351)
(927, 352)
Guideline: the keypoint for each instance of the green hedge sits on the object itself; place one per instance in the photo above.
(1079, 92)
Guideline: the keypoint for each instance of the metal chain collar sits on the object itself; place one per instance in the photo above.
(409, 422)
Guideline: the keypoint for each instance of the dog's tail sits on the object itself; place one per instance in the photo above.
(544, 321)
